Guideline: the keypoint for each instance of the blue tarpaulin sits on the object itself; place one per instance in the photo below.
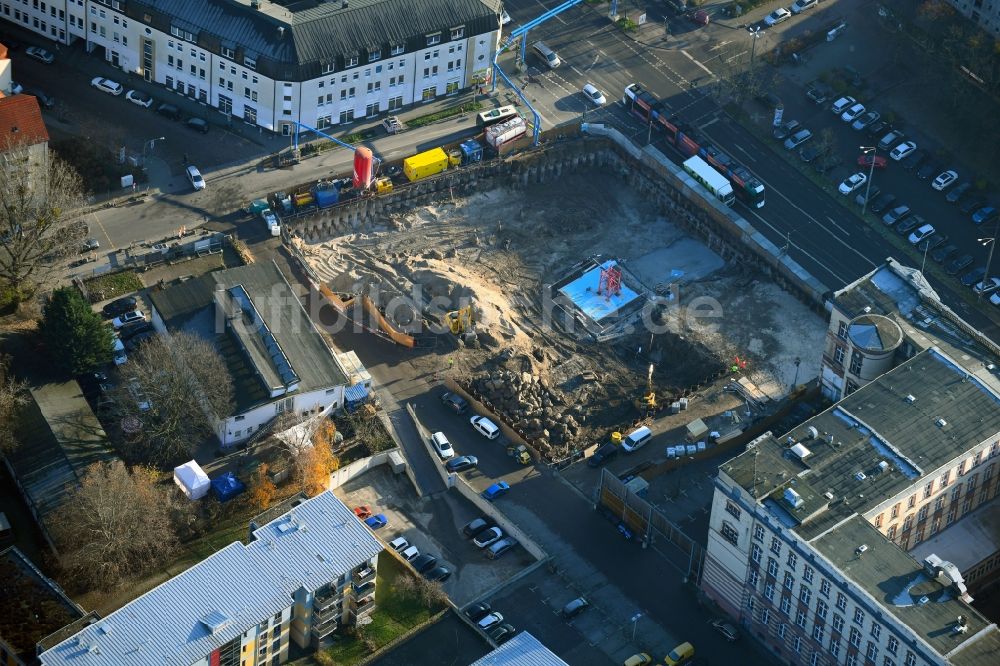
(354, 396)
(227, 486)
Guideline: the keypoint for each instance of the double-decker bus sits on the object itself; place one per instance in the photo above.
(685, 139)
(710, 179)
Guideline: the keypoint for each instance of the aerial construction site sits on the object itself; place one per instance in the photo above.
(565, 303)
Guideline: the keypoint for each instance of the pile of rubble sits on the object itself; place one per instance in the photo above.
(534, 409)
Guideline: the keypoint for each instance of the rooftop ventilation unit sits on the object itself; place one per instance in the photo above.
(811, 433)
(793, 498)
(215, 621)
(860, 476)
(828, 495)
(860, 550)
(104, 628)
(800, 452)
(940, 423)
(883, 466)
(910, 398)
(923, 600)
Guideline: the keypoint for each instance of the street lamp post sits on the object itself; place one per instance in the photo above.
(635, 623)
(871, 175)
(992, 242)
(151, 143)
(755, 34)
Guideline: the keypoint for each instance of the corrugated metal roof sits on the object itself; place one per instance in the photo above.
(522, 650)
(305, 548)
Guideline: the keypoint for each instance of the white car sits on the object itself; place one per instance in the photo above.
(194, 176)
(852, 182)
(902, 150)
(945, 179)
(488, 537)
(107, 85)
(399, 544)
(920, 234)
(591, 92)
(486, 428)
(118, 352)
(504, 17)
(987, 285)
(842, 104)
(128, 318)
(490, 620)
(995, 298)
(140, 98)
(40, 54)
(851, 114)
(800, 6)
(777, 16)
(442, 446)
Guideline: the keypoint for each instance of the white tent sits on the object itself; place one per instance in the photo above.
(192, 480)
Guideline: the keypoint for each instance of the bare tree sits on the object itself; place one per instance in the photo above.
(176, 389)
(37, 192)
(116, 525)
(13, 394)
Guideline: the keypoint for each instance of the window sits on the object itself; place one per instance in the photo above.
(907, 522)
(789, 581)
(776, 545)
(839, 352)
(374, 55)
(841, 601)
(893, 646)
(888, 662)
(876, 630)
(396, 50)
(458, 33)
(750, 605)
(755, 553)
(793, 560)
(814, 659)
(250, 63)
(895, 512)
(227, 53)
(769, 591)
(838, 623)
(834, 647)
(346, 116)
(854, 637)
(807, 574)
(911, 502)
(856, 361)
(730, 534)
(852, 660)
(871, 652)
(786, 603)
(859, 617)
(733, 510)
(753, 578)
(821, 609)
(758, 533)
(350, 61)
(800, 618)
(824, 587)
(891, 533)
(945, 479)
(805, 594)
(842, 330)
(911, 659)
(922, 514)
(781, 630)
(939, 503)
(765, 616)
(878, 521)
(818, 630)
(434, 39)
(326, 68)
(797, 644)
(772, 566)
(928, 489)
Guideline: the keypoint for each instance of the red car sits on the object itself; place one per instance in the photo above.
(700, 17)
(363, 511)
(866, 161)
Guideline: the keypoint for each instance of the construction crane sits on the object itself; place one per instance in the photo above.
(647, 403)
(522, 33)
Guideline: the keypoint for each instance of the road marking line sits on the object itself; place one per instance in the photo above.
(557, 16)
(745, 152)
(576, 70)
(732, 58)
(797, 247)
(842, 229)
(691, 58)
(104, 231)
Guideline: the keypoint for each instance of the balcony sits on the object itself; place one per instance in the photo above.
(364, 605)
(364, 575)
(325, 614)
(326, 599)
(363, 589)
(324, 629)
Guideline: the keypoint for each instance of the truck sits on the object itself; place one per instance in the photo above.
(710, 179)
(428, 163)
(271, 221)
(503, 133)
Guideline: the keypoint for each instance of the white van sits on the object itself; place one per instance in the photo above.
(546, 54)
(636, 439)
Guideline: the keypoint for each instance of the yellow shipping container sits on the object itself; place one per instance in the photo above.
(425, 164)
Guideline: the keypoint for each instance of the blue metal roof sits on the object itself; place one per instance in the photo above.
(356, 393)
(522, 650)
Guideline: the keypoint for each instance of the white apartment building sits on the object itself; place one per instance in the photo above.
(308, 570)
(984, 13)
(808, 536)
(274, 64)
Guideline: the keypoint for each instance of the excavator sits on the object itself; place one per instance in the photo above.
(460, 321)
(647, 402)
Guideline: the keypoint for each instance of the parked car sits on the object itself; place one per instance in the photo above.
(973, 276)
(461, 463)
(474, 527)
(928, 170)
(929, 243)
(987, 286)
(882, 203)
(128, 318)
(454, 402)
(40, 54)
(603, 455)
(870, 193)
(485, 427)
(363, 511)
(197, 124)
(891, 139)
(438, 574)
(489, 620)
(44, 100)
(129, 331)
(809, 153)
(920, 234)
(852, 113)
(119, 306)
(959, 264)
(971, 204)
(195, 178)
(909, 224)
(399, 544)
(681, 654)
(865, 120)
(779, 15)
(867, 159)
(140, 98)
(488, 537)
(575, 607)
(984, 215)
(409, 553)
(727, 629)
(878, 129)
(638, 659)
(784, 129)
(945, 180)
(995, 298)
(842, 104)
(902, 150)
(442, 446)
(800, 6)
(118, 352)
(169, 111)
(896, 214)
(499, 548)
(944, 253)
(377, 522)
(496, 491)
(478, 611)
(852, 182)
(505, 631)
(107, 85)
(594, 95)
(818, 92)
(424, 563)
(957, 192)
(797, 139)
(915, 160)
(699, 17)
(137, 341)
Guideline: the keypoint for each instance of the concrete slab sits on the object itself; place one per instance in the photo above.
(583, 291)
(685, 260)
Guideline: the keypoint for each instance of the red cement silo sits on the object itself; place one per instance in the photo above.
(362, 168)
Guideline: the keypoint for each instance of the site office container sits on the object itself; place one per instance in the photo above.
(427, 163)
